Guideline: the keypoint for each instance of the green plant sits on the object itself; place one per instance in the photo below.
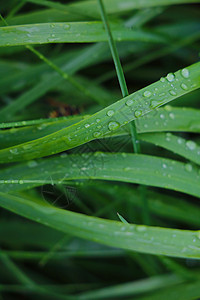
(123, 183)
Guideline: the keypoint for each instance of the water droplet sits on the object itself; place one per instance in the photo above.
(184, 86)
(162, 79)
(168, 137)
(141, 228)
(26, 147)
(87, 125)
(21, 181)
(99, 126)
(191, 145)
(129, 102)
(170, 77)
(32, 164)
(66, 26)
(147, 94)
(185, 73)
(168, 107)
(96, 134)
(198, 234)
(98, 120)
(138, 113)
(154, 104)
(110, 113)
(173, 93)
(126, 169)
(14, 151)
(171, 115)
(164, 166)
(180, 141)
(113, 125)
(188, 167)
(162, 116)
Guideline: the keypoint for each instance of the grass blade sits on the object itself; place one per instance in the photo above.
(145, 239)
(109, 119)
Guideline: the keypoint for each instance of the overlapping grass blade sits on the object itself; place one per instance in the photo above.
(145, 239)
(141, 169)
(109, 119)
(164, 119)
(165, 206)
(184, 291)
(186, 148)
(76, 32)
(113, 6)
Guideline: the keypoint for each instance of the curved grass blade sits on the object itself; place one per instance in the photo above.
(74, 32)
(109, 119)
(184, 291)
(164, 206)
(112, 6)
(165, 119)
(145, 239)
(134, 288)
(186, 148)
(133, 168)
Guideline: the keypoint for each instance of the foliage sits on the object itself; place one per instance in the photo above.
(82, 215)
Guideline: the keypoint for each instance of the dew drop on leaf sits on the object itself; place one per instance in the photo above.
(13, 151)
(170, 77)
(110, 113)
(113, 125)
(26, 147)
(147, 94)
(32, 164)
(188, 167)
(162, 79)
(141, 228)
(185, 73)
(171, 115)
(138, 113)
(129, 102)
(184, 87)
(162, 116)
(96, 134)
(87, 125)
(191, 145)
(154, 104)
(179, 141)
(66, 26)
(173, 93)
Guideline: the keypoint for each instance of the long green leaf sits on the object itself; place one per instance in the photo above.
(145, 239)
(164, 119)
(186, 148)
(76, 32)
(111, 118)
(141, 169)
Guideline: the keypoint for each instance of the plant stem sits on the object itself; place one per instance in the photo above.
(124, 90)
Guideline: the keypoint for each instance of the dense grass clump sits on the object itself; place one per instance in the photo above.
(100, 175)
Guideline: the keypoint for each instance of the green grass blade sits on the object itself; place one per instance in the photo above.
(76, 32)
(114, 6)
(184, 291)
(111, 118)
(145, 239)
(165, 119)
(132, 288)
(186, 148)
(133, 168)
